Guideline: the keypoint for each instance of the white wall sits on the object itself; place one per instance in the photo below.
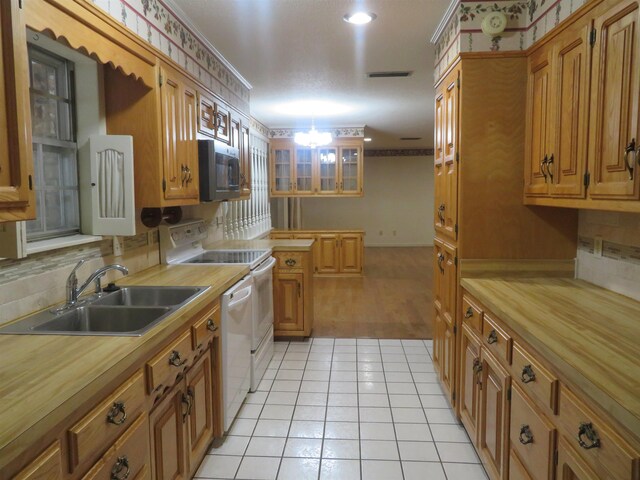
(398, 196)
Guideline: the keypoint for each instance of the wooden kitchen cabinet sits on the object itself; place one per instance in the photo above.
(570, 466)
(200, 403)
(350, 253)
(328, 259)
(213, 118)
(470, 368)
(245, 160)
(168, 437)
(45, 466)
(334, 170)
(17, 197)
(293, 293)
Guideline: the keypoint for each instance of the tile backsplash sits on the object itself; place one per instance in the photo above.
(618, 268)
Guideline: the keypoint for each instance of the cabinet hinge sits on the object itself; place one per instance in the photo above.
(587, 179)
(592, 37)
(30, 182)
(457, 156)
(455, 261)
(555, 457)
(455, 329)
(164, 185)
(458, 81)
(455, 228)
(508, 394)
(160, 79)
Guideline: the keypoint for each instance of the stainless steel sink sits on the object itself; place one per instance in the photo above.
(148, 296)
(130, 311)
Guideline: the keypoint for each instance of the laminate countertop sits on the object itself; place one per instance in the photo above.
(590, 335)
(285, 245)
(44, 378)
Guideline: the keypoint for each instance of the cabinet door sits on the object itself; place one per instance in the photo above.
(288, 302)
(200, 409)
(439, 165)
(351, 253)
(493, 434)
(438, 273)
(207, 117)
(328, 259)
(223, 124)
(189, 143)
(17, 197)
(469, 386)
(168, 442)
(537, 123)
(327, 170)
(570, 466)
(281, 171)
(444, 297)
(245, 161)
(615, 81)
(447, 357)
(568, 158)
(303, 170)
(350, 170)
(438, 338)
(47, 465)
(450, 164)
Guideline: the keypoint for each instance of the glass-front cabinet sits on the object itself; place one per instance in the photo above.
(334, 170)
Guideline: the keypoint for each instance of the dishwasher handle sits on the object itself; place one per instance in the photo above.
(268, 265)
(240, 297)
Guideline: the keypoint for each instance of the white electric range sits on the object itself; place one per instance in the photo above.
(250, 333)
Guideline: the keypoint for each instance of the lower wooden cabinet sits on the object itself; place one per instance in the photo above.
(469, 381)
(45, 466)
(199, 392)
(168, 437)
(293, 294)
(570, 465)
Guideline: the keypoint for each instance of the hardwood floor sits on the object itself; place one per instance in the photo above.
(392, 300)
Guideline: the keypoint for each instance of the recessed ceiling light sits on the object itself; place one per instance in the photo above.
(359, 18)
(367, 139)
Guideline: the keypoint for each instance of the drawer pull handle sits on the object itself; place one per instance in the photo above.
(493, 337)
(175, 360)
(441, 213)
(211, 326)
(290, 262)
(526, 436)
(587, 430)
(631, 148)
(528, 375)
(440, 260)
(187, 399)
(469, 313)
(121, 464)
(477, 370)
(117, 410)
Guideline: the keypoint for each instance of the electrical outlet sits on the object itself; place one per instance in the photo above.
(117, 246)
(597, 245)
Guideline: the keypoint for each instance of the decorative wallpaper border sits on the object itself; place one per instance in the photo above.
(338, 132)
(258, 128)
(155, 22)
(399, 152)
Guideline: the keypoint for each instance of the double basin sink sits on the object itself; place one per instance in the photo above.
(130, 311)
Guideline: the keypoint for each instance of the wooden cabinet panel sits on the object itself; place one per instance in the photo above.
(538, 117)
(469, 385)
(447, 357)
(328, 250)
(570, 108)
(289, 261)
(128, 458)
(496, 339)
(207, 117)
(450, 164)
(304, 181)
(17, 197)
(614, 106)
(245, 160)
(610, 456)
(438, 337)
(472, 315)
(570, 466)
(199, 393)
(96, 431)
(516, 469)
(532, 437)
(205, 329)
(327, 171)
(47, 466)
(168, 366)
(438, 162)
(289, 305)
(535, 380)
(493, 435)
(281, 169)
(223, 123)
(168, 444)
(351, 253)
(351, 163)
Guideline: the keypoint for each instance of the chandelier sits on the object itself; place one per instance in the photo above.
(313, 138)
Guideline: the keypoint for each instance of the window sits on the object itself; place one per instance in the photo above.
(54, 146)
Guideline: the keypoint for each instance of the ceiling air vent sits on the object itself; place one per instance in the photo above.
(388, 74)
(410, 138)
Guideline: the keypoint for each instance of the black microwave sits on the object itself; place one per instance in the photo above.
(219, 171)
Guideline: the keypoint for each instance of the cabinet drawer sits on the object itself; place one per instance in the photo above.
(289, 261)
(471, 314)
(532, 436)
(516, 469)
(46, 466)
(99, 428)
(208, 327)
(610, 456)
(165, 368)
(128, 458)
(496, 339)
(534, 379)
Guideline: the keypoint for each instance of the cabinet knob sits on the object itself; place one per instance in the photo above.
(468, 313)
(586, 431)
(528, 375)
(187, 399)
(290, 262)
(175, 360)
(211, 325)
(493, 337)
(122, 463)
(549, 170)
(117, 414)
(526, 436)
(543, 164)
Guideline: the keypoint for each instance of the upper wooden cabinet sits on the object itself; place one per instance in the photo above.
(17, 197)
(214, 119)
(334, 170)
(582, 134)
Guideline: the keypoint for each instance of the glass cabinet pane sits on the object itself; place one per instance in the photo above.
(282, 164)
(303, 170)
(328, 169)
(349, 160)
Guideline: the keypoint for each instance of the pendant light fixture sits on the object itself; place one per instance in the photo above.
(313, 138)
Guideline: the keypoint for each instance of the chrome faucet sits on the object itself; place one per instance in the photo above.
(73, 291)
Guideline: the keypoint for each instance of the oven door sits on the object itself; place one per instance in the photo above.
(263, 300)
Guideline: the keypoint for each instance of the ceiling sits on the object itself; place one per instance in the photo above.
(302, 50)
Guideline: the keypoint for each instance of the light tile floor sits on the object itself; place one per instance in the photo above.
(346, 409)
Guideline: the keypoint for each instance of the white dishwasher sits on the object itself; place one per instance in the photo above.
(236, 333)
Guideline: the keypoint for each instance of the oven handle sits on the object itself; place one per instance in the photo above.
(268, 265)
(242, 299)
